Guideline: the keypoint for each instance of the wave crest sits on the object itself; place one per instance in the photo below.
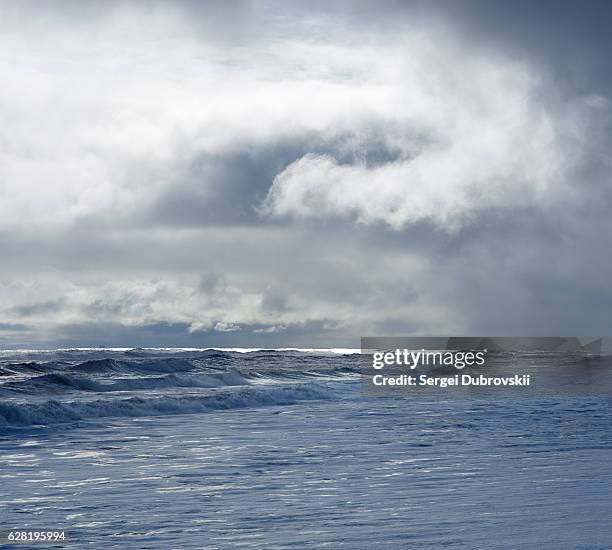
(54, 412)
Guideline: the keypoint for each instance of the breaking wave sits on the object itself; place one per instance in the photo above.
(59, 382)
(44, 388)
(53, 411)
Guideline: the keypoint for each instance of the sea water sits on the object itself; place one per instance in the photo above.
(279, 449)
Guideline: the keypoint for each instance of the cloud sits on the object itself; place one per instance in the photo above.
(224, 327)
(301, 172)
(162, 124)
(490, 135)
(105, 126)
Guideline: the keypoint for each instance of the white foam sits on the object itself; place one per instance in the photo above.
(342, 351)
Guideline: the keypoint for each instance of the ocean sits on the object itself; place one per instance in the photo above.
(184, 448)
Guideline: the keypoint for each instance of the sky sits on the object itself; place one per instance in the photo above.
(303, 173)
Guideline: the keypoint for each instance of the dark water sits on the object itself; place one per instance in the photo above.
(210, 449)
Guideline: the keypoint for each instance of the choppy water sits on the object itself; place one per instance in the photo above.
(278, 449)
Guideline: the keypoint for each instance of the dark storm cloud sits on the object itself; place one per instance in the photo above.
(573, 37)
(243, 174)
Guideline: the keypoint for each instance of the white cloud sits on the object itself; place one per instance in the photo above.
(47, 303)
(486, 134)
(98, 124)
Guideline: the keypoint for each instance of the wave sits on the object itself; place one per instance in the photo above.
(32, 367)
(152, 352)
(106, 365)
(16, 415)
(57, 382)
(273, 366)
(73, 385)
